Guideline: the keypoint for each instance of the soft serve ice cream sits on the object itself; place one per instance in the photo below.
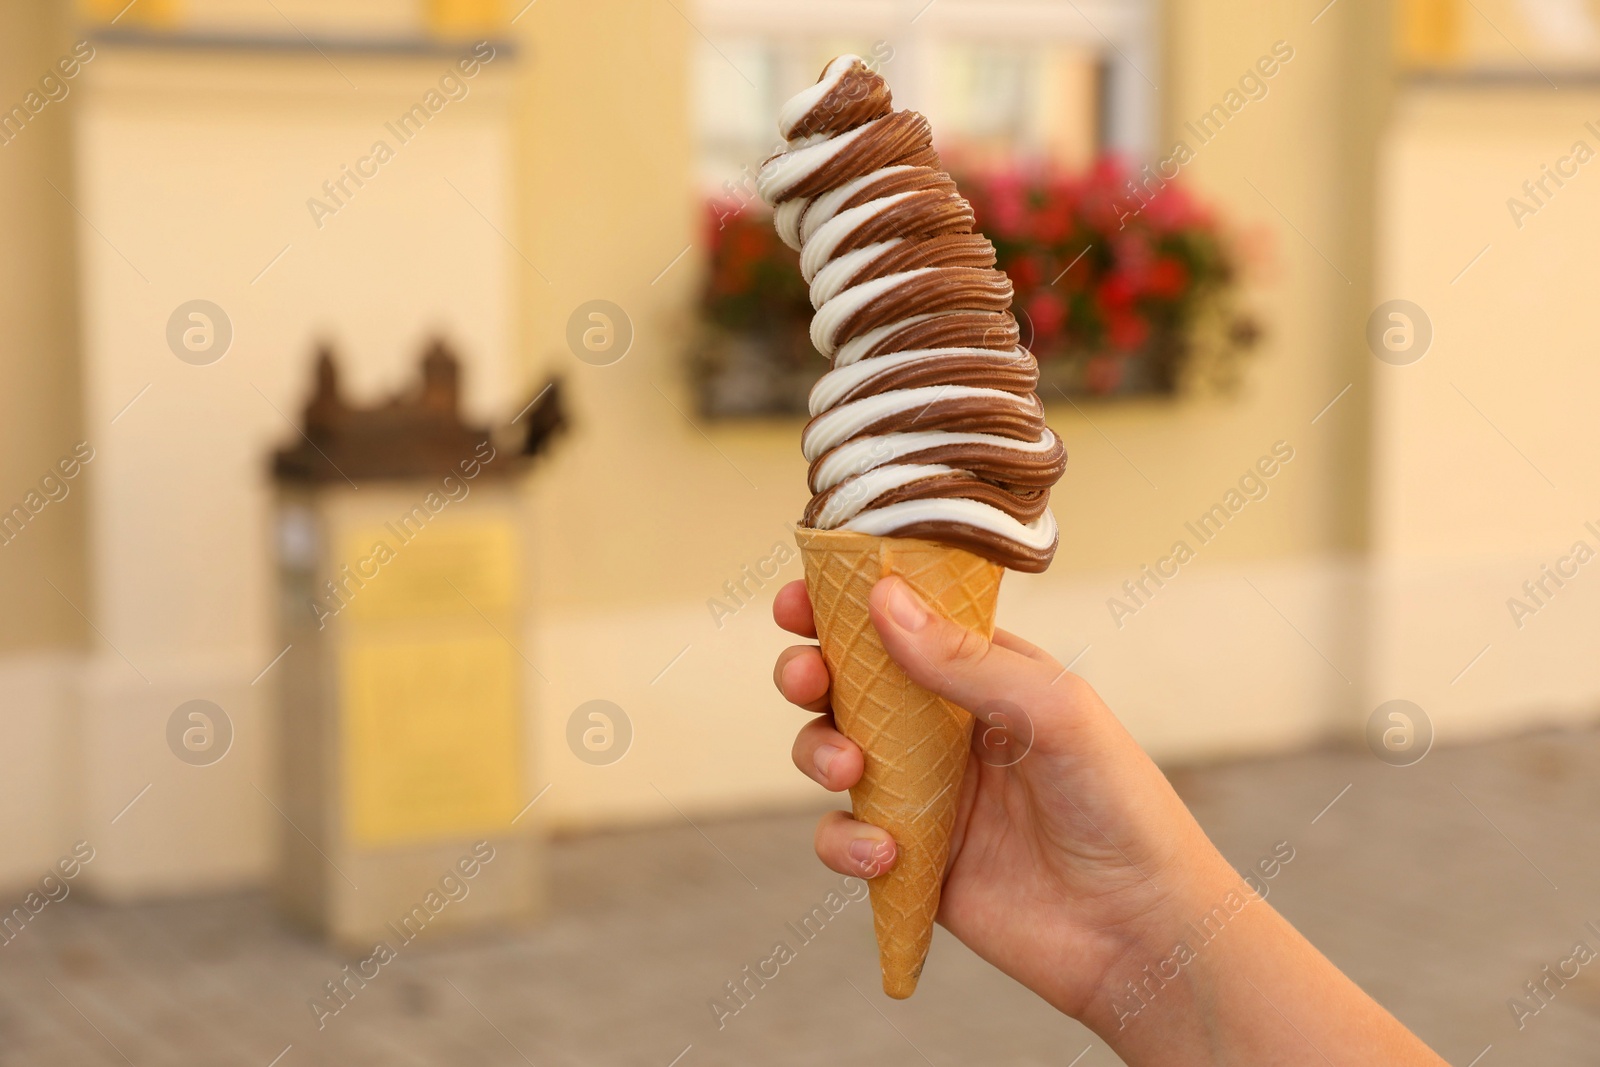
(928, 425)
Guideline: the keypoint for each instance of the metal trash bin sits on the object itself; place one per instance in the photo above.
(404, 730)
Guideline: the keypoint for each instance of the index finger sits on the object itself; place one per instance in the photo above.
(791, 609)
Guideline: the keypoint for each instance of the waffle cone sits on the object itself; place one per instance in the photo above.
(916, 744)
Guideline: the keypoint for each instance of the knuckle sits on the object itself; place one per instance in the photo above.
(823, 842)
(1071, 691)
(965, 647)
(881, 859)
(804, 742)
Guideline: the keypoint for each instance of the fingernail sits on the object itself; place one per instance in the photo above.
(905, 609)
(824, 758)
(871, 854)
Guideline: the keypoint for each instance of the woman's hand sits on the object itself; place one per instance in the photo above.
(1076, 868)
(1059, 859)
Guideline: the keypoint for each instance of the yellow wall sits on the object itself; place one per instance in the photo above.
(1489, 480)
(638, 506)
(40, 632)
(39, 418)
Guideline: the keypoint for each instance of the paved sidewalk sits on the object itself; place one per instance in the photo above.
(1434, 886)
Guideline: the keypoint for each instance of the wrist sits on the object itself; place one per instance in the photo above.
(1163, 954)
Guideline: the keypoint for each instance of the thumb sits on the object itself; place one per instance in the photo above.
(947, 659)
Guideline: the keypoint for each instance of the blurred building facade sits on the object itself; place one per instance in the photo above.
(185, 160)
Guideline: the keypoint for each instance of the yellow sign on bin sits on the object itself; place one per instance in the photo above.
(430, 682)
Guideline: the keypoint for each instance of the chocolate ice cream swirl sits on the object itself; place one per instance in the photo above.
(927, 425)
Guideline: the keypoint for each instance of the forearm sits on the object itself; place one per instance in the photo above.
(1224, 979)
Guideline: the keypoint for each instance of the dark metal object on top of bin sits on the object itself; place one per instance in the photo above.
(417, 432)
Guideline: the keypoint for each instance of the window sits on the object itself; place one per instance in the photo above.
(1001, 81)
(1043, 109)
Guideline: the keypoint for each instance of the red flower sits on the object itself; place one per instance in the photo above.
(748, 243)
(1072, 277)
(1052, 219)
(1024, 272)
(1168, 279)
(1115, 293)
(1097, 263)
(751, 281)
(1048, 313)
(1127, 333)
(1006, 208)
(1174, 210)
(1108, 170)
(1102, 374)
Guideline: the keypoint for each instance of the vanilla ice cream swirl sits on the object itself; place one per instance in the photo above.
(928, 425)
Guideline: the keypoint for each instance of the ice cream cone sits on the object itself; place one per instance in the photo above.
(916, 744)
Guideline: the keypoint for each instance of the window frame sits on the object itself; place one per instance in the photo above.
(1124, 33)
